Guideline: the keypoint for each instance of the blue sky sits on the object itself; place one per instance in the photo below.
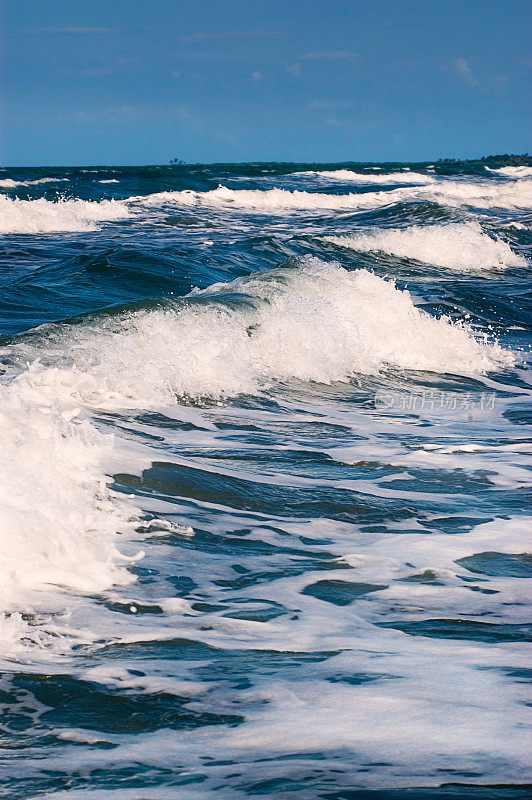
(144, 81)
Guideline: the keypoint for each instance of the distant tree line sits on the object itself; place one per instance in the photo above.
(504, 160)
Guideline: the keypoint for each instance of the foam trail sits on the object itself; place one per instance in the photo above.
(462, 247)
(46, 216)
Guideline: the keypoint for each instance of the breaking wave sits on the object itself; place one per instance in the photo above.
(463, 247)
(59, 517)
(364, 178)
(274, 200)
(314, 321)
(513, 195)
(311, 321)
(512, 172)
(47, 216)
(8, 183)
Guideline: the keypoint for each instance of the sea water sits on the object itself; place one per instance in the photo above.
(264, 480)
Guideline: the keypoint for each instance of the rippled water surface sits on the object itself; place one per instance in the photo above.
(265, 486)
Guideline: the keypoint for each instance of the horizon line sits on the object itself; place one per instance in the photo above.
(447, 159)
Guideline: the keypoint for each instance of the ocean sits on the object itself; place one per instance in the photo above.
(265, 481)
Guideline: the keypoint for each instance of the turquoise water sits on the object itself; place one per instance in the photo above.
(266, 480)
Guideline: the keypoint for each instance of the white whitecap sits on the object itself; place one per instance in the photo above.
(512, 172)
(463, 247)
(60, 520)
(315, 321)
(47, 216)
(350, 176)
(8, 183)
(312, 322)
(477, 194)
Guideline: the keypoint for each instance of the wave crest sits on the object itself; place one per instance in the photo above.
(464, 247)
(8, 183)
(47, 216)
(513, 172)
(309, 321)
(312, 321)
(364, 178)
(514, 195)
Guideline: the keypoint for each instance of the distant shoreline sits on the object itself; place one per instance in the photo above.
(494, 161)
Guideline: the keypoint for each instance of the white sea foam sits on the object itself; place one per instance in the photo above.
(47, 216)
(314, 322)
(463, 247)
(59, 518)
(273, 200)
(514, 195)
(479, 194)
(513, 172)
(363, 178)
(8, 183)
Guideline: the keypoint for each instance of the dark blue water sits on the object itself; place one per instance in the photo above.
(265, 486)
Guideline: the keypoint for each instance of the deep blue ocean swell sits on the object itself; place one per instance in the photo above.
(265, 493)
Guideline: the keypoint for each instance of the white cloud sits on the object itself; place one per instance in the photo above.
(189, 117)
(321, 55)
(461, 67)
(256, 76)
